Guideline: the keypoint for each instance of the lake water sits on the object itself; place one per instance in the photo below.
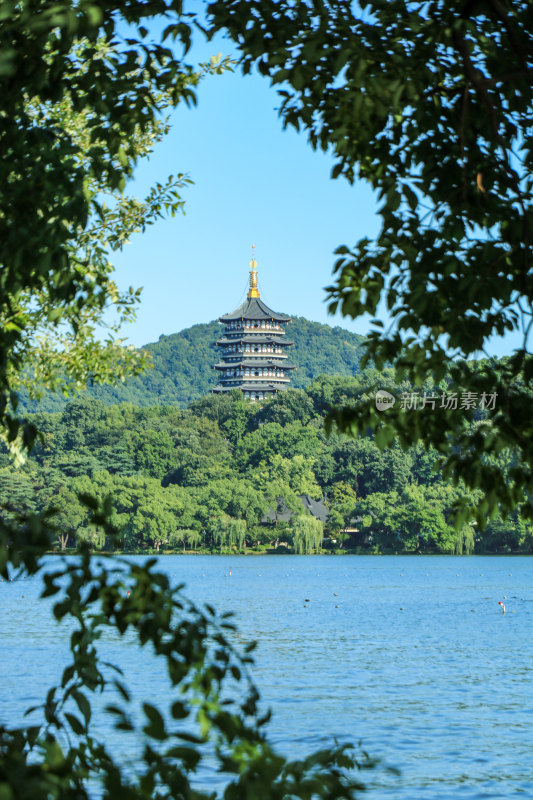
(409, 655)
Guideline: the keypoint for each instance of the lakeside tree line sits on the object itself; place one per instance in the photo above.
(222, 474)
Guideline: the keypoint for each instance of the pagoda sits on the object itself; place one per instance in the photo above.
(253, 357)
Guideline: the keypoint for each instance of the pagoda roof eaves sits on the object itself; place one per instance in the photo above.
(251, 338)
(259, 363)
(254, 308)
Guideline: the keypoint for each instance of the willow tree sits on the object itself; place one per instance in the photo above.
(307, 534)
(430, 103)
(188, 537)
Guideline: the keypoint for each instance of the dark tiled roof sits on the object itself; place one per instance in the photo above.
(259, 362)
(281, 516)
(254, 338)
(260, 387)
(255, 334)
(254, 308)
(252, 387)
(316, 508)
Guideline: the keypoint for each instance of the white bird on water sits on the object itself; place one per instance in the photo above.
(502, 605)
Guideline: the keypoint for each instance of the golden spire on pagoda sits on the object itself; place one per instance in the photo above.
(253, 276)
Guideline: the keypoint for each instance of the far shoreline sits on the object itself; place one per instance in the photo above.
(166, 553)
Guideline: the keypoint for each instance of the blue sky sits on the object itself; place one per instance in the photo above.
(253, 184)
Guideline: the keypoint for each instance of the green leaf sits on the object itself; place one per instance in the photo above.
(188, 755)
(83, 705)
(75, 724)
(156, 727)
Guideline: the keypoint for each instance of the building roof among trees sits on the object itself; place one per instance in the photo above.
(317, 509)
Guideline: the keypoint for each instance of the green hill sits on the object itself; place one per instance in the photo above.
(183, 365)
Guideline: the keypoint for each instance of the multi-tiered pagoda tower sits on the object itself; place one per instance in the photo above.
(253, 346)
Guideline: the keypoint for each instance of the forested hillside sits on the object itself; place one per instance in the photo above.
(206, 478)
(182, 365)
